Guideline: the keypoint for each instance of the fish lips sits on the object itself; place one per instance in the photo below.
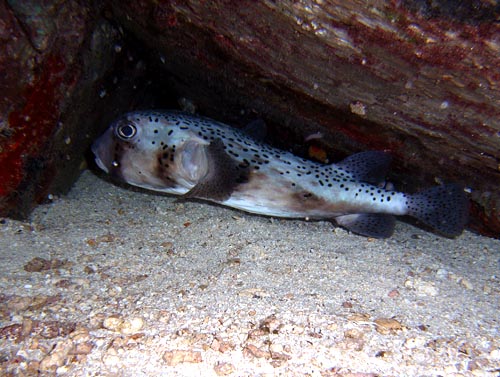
(103, 151)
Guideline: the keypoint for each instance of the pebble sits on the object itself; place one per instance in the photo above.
(276, 348)
(131, 326)
(175, 357)
(126, 326)
(466, 284)
(112, 323)
(495, 354)
(111, 360)
(415, 342)
(80, 334)
(423, 288)
(442, 274)
(223, 369)
(393, 293)
(252, 351)
(353, 333)
(387, 325)
(58, 355)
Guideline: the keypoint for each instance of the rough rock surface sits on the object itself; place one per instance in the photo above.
(418, 79)
(59, 61)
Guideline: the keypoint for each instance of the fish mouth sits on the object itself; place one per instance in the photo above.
(97, 153)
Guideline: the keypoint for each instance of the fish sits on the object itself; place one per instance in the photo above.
(196, 157)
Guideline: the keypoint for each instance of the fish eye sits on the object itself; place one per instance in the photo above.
(126, 131)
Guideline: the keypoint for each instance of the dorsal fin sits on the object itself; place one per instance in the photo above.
(256, 129)
(370, 166)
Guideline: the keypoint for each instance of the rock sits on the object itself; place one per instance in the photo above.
(113, 323)
(387, 325)
(57, 356)
(38, 264)
(416, 79)
(50, 106)
(175, 357)
(131, 325)
(224, 369)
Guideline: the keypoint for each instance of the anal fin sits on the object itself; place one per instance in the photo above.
(376, 225)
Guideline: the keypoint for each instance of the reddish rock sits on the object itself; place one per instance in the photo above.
(39, 76)
(56, 58)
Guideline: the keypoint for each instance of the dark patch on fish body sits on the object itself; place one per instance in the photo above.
(165, 164)
(224, 175)
(306, 200)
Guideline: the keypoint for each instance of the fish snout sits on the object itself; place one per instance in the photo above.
(102, 150)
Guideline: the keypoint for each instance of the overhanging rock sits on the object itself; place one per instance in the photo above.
(417, 80)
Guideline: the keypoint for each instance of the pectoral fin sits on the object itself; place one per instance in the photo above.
(222, 177)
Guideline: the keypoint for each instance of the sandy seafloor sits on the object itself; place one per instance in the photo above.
(136, 284)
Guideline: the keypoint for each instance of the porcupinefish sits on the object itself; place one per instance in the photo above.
(196, 157)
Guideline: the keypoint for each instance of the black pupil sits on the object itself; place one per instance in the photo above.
(126, 131)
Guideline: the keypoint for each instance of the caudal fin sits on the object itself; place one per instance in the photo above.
(444, 208)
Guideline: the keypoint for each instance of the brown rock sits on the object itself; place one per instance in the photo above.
(253, 351)
(387, 325)
(58, 356)
(38, 264)
(224, 369)
(175, 357)
(13, 333)
(82, 348)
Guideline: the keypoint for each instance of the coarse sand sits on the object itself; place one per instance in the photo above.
(108, 281)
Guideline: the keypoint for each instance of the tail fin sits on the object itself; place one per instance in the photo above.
(444, 208)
